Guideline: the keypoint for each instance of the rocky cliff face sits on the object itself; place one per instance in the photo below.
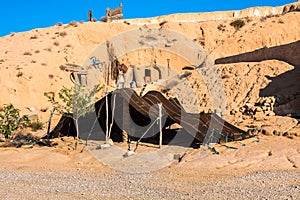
(219, 16)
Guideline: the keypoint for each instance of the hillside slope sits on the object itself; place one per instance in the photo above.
(30, 61)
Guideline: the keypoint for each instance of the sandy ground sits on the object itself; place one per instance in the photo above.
(258, 168)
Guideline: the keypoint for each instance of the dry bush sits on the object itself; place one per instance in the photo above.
(237, 24)
(44, 64)
(68, 45)
(34, 37)
(280, 21)
(37, 51)
(36, 125)
(73, 23)
(59, 24)
(51, 76)
(221, 27)
(19, 74)
(248, 19)
(162, 23)
(62, 67)
(48, 49)
(63, 34)
(262, 19)
(56, 43)
(27, 53)
(126, 22)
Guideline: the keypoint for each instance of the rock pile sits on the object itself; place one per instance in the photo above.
(264, 106)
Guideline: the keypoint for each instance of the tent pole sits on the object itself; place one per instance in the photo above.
(160, 126)
(106, 107)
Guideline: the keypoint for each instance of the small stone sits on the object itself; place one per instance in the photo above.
(290, 137)
(245, 117)
(242, 109)
(105, 146)
(248, 104)
(258, 109)
(177, 157)
(43, 109)
(266, 132)
(285, 134)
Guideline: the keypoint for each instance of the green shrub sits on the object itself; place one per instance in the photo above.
(237, 24)
(78, 100)
(10, 120)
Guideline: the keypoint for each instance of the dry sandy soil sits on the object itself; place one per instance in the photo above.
(266, 167)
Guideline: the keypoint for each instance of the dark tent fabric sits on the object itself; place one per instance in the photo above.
(65, 127)
(130, 109)
(134, 114)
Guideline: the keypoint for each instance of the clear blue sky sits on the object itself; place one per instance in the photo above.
(23, 15)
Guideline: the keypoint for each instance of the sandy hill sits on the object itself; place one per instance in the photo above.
(30, 61)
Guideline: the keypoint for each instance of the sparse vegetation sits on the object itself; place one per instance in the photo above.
(56, 43)
(62, 67)
(59, 24)
(37, 51)
(262, 19)
(268, 16)
(34, 37)
(78, 101)
(51, 76)
(221, 27)
(48, 49)
(237, 24)
(36, 125)
(19, 74)
(126, 22)
(73, 23)
(248, 19)
(63, 34)
(280, 21)
(10, 120)
(27, 53)
(44, 64)
(162, 23)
